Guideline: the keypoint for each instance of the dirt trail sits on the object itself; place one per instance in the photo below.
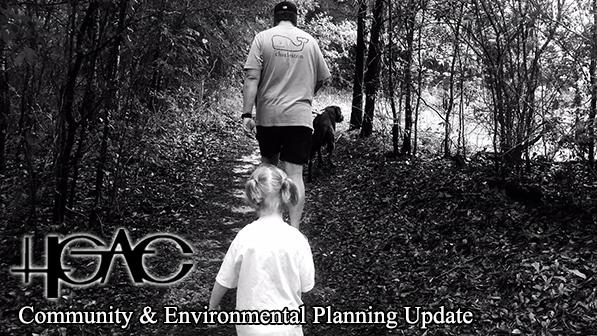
(214, 234)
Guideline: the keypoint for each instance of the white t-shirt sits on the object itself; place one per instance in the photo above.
(270, 263)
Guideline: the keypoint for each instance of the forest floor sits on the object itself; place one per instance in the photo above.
(386, 234)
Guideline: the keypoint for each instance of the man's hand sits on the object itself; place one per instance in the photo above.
(249, 126)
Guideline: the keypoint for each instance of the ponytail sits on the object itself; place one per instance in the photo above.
(253, 193)
(288, 192)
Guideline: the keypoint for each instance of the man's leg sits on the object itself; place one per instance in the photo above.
(269, 144)
(295, 173)
(273, 160)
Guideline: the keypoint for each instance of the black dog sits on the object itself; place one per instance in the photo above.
(324, 133)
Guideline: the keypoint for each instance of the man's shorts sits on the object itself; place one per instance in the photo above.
(293, 143)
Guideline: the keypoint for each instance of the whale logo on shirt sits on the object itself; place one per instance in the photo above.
(285, 43)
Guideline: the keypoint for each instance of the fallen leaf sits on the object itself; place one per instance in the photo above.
(577, 273)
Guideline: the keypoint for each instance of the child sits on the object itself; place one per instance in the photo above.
(269, 261)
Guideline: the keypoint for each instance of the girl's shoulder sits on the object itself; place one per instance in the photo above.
(274, 227)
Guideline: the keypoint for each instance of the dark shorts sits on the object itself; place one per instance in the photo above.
(293, 143)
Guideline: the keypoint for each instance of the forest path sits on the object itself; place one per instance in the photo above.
(222, 214)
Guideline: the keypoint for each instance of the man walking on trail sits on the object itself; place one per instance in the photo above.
(283, 71)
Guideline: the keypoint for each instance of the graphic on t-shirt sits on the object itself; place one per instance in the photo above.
(285, 43)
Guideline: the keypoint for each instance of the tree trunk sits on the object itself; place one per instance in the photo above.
(408, 60)
(372, 73)
(462, 127)
(356, 116)
(593, 74)
(87, 109)
(450, 105)
(4, 95)
(4, 105)
(65, 137)
(396, 123)
(419, 83)
(66, 125)
(25, 125)
(112, 107)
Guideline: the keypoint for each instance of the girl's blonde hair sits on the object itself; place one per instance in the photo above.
(269, 187)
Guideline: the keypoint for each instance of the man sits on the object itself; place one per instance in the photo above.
(283, 71)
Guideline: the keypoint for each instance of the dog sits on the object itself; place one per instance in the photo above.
(324, 133)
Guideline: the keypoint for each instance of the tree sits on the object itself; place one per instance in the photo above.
(371, 76)
(395, 118)
(112, 107)
(593, 81)
(89, 101)
(511, 40)
(419, 79)
(356, 115)
(4, 104)
(461, 149)
(410, 15)
(450, 101)
(66, 123)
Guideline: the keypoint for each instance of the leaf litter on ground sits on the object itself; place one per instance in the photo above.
(385, 234)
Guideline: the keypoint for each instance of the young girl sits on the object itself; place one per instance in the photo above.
(269, 261)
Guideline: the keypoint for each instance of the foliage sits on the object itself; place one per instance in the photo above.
(544, 51)
(96, 84)
(336, 40)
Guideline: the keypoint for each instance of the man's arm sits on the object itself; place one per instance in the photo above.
(319, 85)
(250, 86)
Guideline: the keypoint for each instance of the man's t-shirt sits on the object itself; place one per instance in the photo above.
(270, 263)
(291, 63)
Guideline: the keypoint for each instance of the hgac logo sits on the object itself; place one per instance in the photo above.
(56, 271)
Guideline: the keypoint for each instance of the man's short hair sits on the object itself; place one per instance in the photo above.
(285, 11)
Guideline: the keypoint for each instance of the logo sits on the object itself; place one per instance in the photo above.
(285, 43)
(56, 270)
